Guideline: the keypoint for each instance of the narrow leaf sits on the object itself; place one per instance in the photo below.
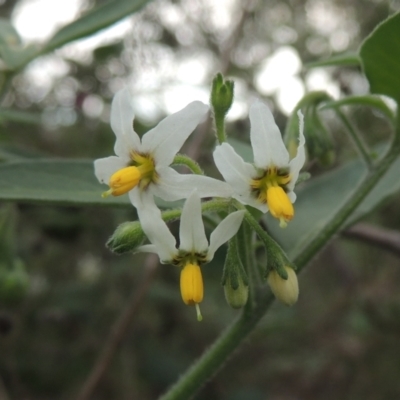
(95, 20)
(343, 60)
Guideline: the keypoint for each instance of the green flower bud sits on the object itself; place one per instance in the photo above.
(14, 282)
(222, 93)
(234, 278)
(285, 290)
(127, 237)
(236, 298)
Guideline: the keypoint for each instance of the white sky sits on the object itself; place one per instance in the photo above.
(278, 75)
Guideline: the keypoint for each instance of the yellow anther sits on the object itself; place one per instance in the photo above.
(123, 181)
(279, 204)
(191, 283)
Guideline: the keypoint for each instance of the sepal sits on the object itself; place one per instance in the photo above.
(127, 237)
(234, 278)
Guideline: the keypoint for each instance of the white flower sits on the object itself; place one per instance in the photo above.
(141, 166)
(194, 249)
(268, 183)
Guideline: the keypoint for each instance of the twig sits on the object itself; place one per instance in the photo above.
(3, 392)
(385, 238)
(119, 330)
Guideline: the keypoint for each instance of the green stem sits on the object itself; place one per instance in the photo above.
(220, 127)
(357, 139)
(216, 205)
(214, 358)
(181, 159)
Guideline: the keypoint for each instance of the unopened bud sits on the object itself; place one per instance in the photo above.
(222, 93)
(236, 298)
(14, 282)
(285, 290)
(127, 237)
(234, 278)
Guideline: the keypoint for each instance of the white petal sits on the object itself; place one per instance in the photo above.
(146, 248)
(105, 167)
(224, 231)
(174, 186)
(191, 232)
(234, 170)
(297, 163)
(266, 139)
(154, 227)
(166, 139)
(121, 120)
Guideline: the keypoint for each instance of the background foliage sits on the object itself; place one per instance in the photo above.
(61, 289)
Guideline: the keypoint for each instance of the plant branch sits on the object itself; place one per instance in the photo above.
(214, 358)
(386, 239)
(119, 331)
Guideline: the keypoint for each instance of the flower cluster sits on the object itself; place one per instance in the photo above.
(142, 169)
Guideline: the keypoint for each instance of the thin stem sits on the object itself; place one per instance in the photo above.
(181, 159)
(357, 139)
(220, 127)
(338, 221)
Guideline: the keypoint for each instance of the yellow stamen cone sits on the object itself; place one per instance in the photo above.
(123, 181)
(279, 204)
(191, 283)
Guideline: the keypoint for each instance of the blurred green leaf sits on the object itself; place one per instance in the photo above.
(58, 181)
(319, 198)
(367, 100)
(380, 58)
(13, 53)
(95, 20)
(342, 60)
(55, 181)
(24, 117)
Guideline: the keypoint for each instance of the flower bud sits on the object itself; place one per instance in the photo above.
(285, 290)
(14, 282)
(234, 278)
(221, 95)
(236, 298)
(127, 237)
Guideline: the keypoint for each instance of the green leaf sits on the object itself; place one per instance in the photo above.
(13, 53)
(342, 60)
(24, 117)
(367, 100)
(55, 181)
(380, 58)
(95, 20)
(319, 198)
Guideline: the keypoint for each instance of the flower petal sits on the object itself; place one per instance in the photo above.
(297, 162)
(165, 140)
(225, 230)
(105, 167)
(266, 139)
(121, 121)
(146, 248)
(153, 225)
(174, 186)
(234, 170)
(191, 232)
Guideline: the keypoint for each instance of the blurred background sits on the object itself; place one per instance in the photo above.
(64, 291)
